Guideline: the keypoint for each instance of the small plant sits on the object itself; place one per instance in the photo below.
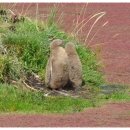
(10, 69)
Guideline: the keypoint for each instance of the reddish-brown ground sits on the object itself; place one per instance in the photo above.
(114, 42)
(111, 115)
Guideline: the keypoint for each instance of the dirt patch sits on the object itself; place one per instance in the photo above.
(110, 115)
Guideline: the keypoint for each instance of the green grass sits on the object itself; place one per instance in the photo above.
(18, 100)
(118, 96)
(28, 47)
(28, 51)
(32, 45)
(91, 74)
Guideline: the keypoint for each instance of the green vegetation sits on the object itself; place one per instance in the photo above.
(91, 73)
(18, 100)
(28, 51)
(120, 93)
(119, 96)
(30, 44)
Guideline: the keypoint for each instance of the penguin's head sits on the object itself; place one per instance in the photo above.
(55, 43)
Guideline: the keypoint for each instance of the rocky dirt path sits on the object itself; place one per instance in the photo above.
(110, 115)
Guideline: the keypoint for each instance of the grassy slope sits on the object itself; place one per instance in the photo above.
(28, 50)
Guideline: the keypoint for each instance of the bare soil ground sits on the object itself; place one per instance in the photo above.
(110, 115)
